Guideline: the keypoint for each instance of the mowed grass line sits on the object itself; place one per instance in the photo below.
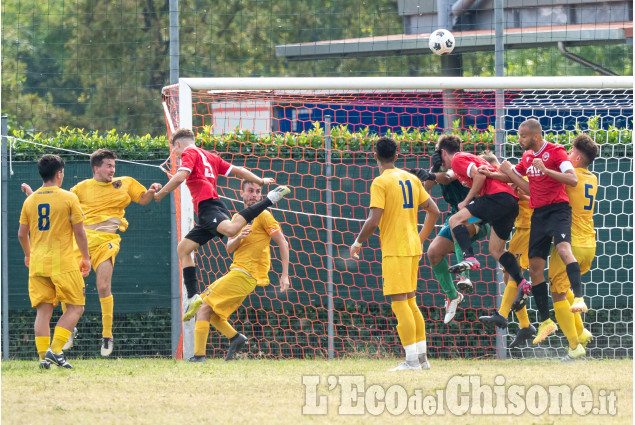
(162, 391)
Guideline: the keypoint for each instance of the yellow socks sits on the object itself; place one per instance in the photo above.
(523, 318)
(420, 324)
(42, 344)
(222, 326)
(60, 336)
(508, 298)
(579, 326)
(566, 321)
(201, 333)
(406, 327)
(107, 305)
(511, 289)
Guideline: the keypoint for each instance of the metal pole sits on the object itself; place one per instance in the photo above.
(499, 65)
(5, 246)
(175, 271)
(329, 235)
(174, 41)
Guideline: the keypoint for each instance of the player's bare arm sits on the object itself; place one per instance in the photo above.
(478, 180)
(282, 243)
(568, 177)
(82, 244)
(499, 175)
(245, 174)
(234, 243)
(369, 227)
(23, 237)
(26, 189)
(174, 182)
(432, 215)
(507, 168)
(148, 196)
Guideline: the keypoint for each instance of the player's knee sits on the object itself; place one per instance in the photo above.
(182, 249)
(434, 256)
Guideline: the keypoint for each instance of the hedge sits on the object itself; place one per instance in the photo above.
(615, 142)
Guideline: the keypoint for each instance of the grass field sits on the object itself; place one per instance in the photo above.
(161, 391)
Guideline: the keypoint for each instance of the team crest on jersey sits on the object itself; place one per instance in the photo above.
(116, 184)
(545, 156)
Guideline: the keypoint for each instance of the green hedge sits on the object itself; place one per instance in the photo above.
(615, 142)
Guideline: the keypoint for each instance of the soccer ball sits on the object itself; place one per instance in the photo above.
(441, 42)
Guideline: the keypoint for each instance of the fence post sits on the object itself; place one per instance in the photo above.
(5, 247)
(499, 65)
(329, 235)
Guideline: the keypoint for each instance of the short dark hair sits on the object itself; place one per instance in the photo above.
(97, 157)
(244, 183)
(451, 143)
(587, 146)
(182, 133)
(386, 149)
(49, 165)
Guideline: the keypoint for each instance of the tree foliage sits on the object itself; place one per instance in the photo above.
(101, 65)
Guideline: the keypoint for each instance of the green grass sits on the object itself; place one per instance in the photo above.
(160, 391)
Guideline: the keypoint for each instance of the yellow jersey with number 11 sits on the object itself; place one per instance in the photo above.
(399, 194)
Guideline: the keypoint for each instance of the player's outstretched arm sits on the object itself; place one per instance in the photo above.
(245, 174)
(26, 189)
(25, 242)
(82, 244)
(369, 227)
(174, 182)
(508, 169)
(148, 195)
(281, 241)
(432, 216)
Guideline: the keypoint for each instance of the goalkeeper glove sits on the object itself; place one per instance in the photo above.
(423, 174)
(436, 162)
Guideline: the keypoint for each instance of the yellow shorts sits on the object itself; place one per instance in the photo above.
(558, 279)
(66, 287)
(226, 294)
(101, 247)
(519, 246)
(400, 274)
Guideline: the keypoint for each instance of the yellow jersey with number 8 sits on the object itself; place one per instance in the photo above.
(50, 213)
(399, 194)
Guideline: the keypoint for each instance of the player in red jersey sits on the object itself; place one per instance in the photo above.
(548, 169)
(200, 170)
(490, 200)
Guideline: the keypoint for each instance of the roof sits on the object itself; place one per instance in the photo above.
(466, 41)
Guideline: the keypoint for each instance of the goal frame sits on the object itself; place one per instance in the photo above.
(185, 111)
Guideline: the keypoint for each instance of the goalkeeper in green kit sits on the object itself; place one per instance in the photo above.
(443, 244)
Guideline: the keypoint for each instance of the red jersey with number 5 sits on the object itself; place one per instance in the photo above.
(204, 168)
(462, 163)
(543, 189)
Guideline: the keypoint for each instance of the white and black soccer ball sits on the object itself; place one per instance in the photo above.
(441, 42)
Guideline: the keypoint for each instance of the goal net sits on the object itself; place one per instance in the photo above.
(316, 136)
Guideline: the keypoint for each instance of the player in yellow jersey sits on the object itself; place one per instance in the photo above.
(48, 221)
(104, 199)
(567, 299)
(519, 248)
(250, 268)
(395, 197)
